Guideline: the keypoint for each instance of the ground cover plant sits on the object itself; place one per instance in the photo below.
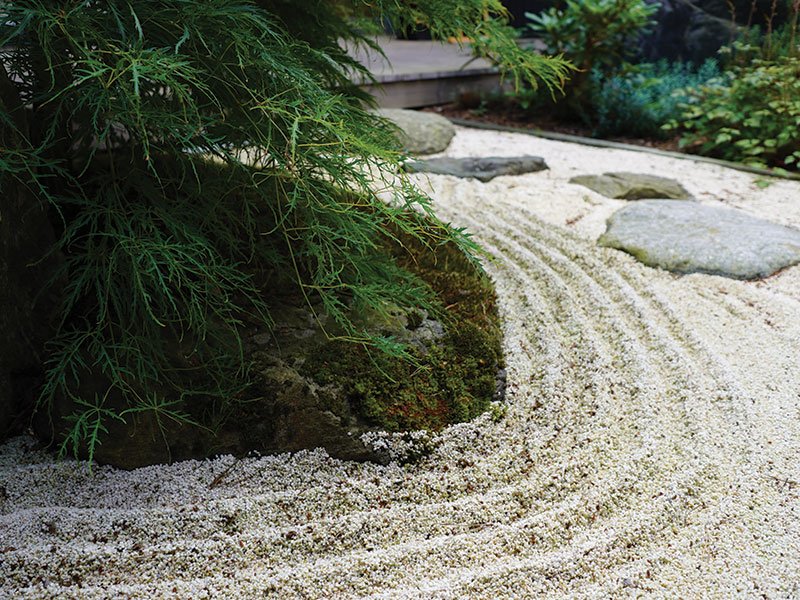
(751, 113)
(194, 153)
(640, 99)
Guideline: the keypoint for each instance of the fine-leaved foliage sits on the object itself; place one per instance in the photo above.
(197, 152)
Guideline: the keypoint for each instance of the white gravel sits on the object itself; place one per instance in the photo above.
(650, 447)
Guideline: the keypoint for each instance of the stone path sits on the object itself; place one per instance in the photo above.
(686, 237)
(633, 186)
(483, 169)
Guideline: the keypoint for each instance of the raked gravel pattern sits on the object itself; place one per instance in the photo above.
(649, 449)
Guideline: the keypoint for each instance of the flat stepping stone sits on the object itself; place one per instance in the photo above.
(633, 186)
(420, 132)
(687, 237)
(481, 168)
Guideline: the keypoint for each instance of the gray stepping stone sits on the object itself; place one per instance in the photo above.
(420, 132)
(633, 186)
(483, 168)
(687, 237)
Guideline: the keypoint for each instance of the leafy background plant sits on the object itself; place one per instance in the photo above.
(742, 107)
(750, 114)
(594, 35)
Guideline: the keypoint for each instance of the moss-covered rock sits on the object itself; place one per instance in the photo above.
(310, 388)
(456, 355)
(339, 390)
(454, 381)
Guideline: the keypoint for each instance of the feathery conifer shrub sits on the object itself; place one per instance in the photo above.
(195, 152)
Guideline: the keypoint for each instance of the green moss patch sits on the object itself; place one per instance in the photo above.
(449, 379)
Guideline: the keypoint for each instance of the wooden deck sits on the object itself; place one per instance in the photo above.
(424, 73)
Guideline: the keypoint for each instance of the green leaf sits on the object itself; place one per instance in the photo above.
(722, 138)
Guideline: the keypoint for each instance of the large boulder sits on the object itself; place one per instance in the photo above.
(633, 186)
(684, 31)
(421, 132)
(285, 410)
(483, 168)
(306, 386)
(688, 237)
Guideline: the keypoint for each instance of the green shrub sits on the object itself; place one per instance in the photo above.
(642, 98)
(751, 115)
(197, 152)
(594, 35)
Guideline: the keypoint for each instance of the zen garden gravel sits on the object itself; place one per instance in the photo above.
(648, 447)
